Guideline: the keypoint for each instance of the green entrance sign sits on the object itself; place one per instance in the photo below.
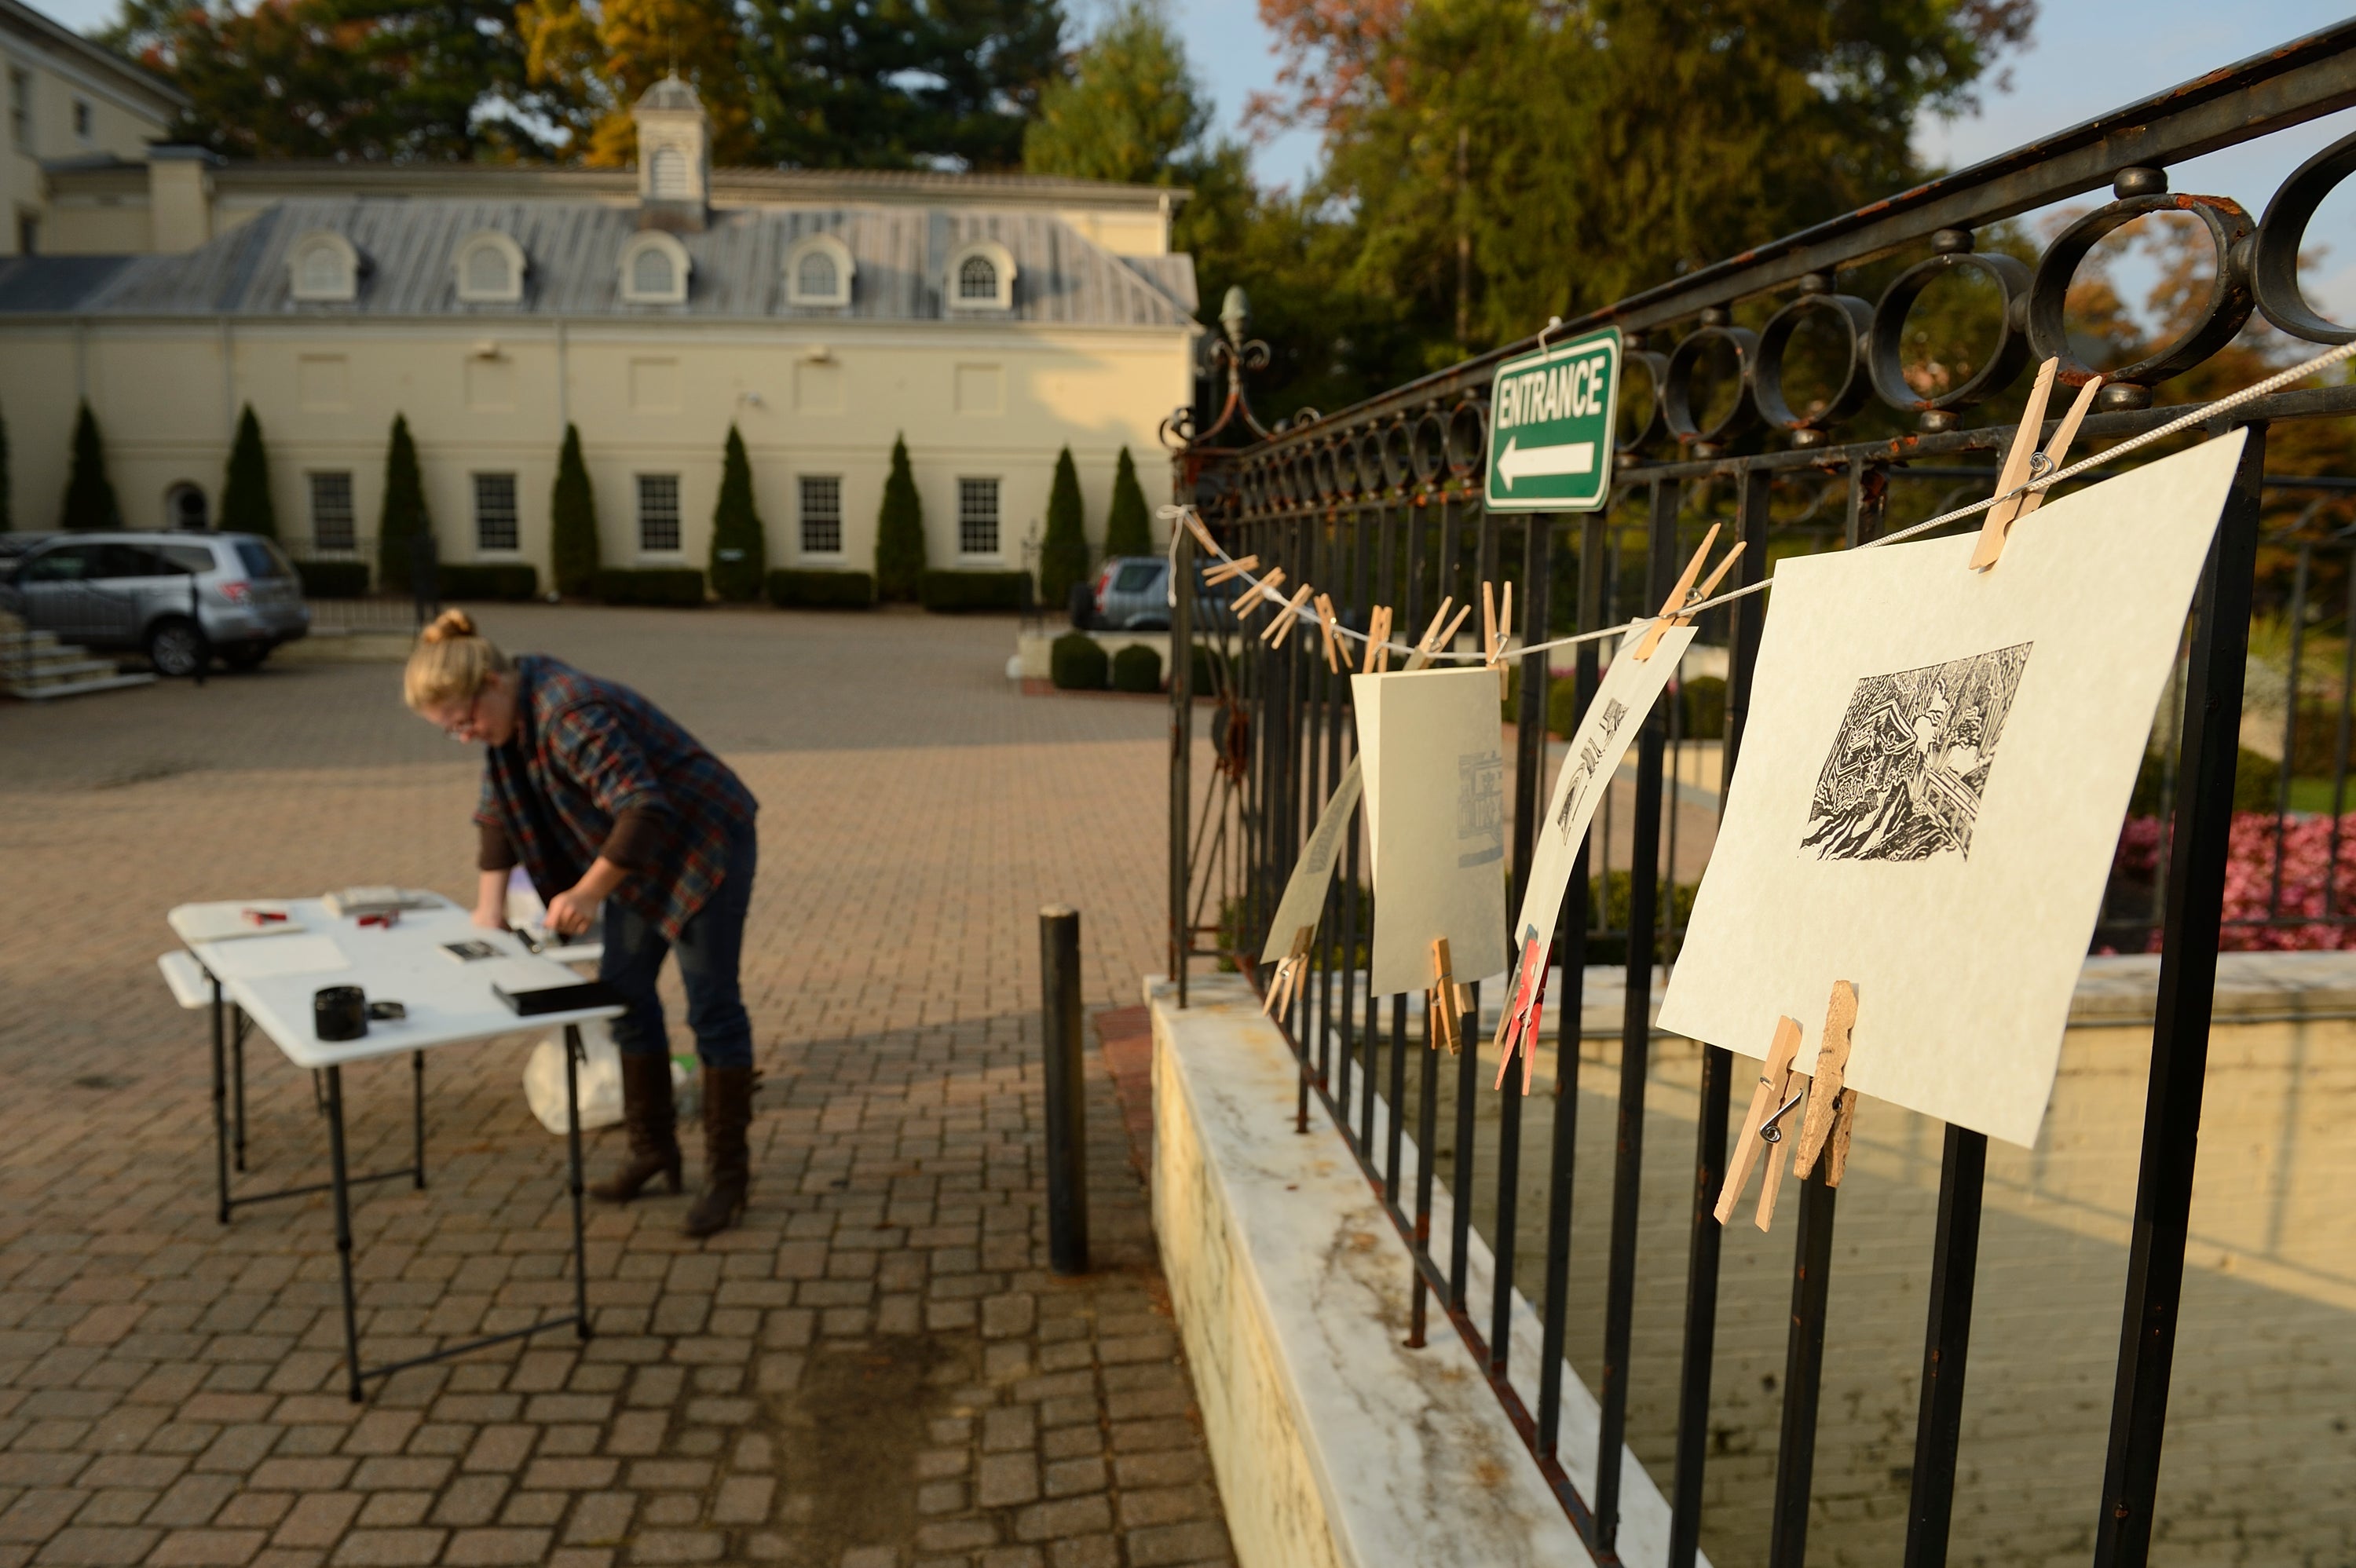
(1551, 426)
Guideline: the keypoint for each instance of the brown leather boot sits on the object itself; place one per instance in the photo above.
(727, 1162)
(653, 1127)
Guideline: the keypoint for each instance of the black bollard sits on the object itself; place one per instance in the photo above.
(1067, 1106)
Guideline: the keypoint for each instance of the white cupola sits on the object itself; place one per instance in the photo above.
(674, 156)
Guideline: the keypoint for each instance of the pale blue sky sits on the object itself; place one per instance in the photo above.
(2087, 56)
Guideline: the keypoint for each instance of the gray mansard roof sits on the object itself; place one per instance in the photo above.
(574, 249)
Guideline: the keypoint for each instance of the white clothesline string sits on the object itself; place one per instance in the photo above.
(1186, 516)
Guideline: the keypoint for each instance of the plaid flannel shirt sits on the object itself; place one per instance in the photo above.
(585, 750)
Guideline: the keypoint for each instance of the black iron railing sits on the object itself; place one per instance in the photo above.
(1379, 504)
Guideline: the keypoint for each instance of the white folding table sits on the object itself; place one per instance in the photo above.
(271, 979)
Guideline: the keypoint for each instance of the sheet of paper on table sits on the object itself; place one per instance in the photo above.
(1434, 775)
(1304, 893)
(227, 922)
(311, 953)
(1622, 699)
(1933, 769)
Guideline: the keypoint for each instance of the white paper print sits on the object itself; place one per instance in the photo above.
(1304, 893)
(1933, 769)
(1433, 759)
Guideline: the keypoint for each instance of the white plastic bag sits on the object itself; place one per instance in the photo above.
(600, 1079)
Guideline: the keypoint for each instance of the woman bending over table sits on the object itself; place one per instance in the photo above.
(605, 801)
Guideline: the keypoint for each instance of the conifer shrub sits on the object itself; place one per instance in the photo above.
(89, 495)
(1063, 552)
(900, 531)
(403, 518)
(573, 521)
(1076, 662)
(1137, 667)
(740, 552)
(245, 506)
(1129, 527)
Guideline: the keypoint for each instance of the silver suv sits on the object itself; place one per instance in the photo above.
(180, 598)
(1132, 594)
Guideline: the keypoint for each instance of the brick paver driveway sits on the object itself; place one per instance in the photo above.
(875, 1369)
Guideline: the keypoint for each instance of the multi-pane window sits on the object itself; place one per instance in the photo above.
(495, 511)
(81, 118)
(657, 512)
(977, 516)
(20, 110)
(978, 280)
(821, 515)
(331, 512)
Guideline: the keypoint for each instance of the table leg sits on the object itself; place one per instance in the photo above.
(572, 1141)
(343, 1225)
(417, 1116)
(237, 1080)
(220, 1110)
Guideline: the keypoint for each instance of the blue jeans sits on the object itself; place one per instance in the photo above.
(708, 947)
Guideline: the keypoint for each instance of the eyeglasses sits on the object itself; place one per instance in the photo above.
(463, 731)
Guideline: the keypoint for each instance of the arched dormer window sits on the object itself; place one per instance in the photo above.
(981, 277)
(818, 271)
(489, 268)
(323, 266)
(654, 270)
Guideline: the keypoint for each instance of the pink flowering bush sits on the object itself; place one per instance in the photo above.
(2306, 871)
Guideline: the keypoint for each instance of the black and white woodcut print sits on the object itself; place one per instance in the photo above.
(1910, 761)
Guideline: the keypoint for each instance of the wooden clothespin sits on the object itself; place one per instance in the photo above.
(1768, 1102)
(1449, 1001)
(1378, 640)
(1202, 535)
(1682, 594)
(1435, 639)
(1281, 627)
(2023, 461)
(1517, 1025)
(1265, 594)
(1832, 1105)
(1498, 635)
(1228, 571)
(1286, 983)
(1329, 629)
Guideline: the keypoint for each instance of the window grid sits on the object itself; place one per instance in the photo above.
(978, 279)
(657, 512)
(81, 118)
(20, 110)
(977, 516)
(821, 515)
(495, 512)
(816, 277)
(331, 512)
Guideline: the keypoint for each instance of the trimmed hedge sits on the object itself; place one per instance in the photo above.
(792, 590)
(949, 591)
(1076, 662)
(514, 580)
(680, 586)
(1137, 668)
(1704, 702)
(333, 579)
(1205, 667)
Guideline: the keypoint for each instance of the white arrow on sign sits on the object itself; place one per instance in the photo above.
(1575, 457)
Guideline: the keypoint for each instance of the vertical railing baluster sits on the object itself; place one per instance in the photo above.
(2339, 737)
(2290, 725)
(1427, 1107)
(1696, 1361)
(1804, 1366)
(1529, 800)
(2180, 1046)
(1387, 580)
(1946, 1343)
(1182, 751)
(1636, 1050)
(1353, 601)
(1468, 1066)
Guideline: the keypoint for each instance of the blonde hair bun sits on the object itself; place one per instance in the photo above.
(448, 624)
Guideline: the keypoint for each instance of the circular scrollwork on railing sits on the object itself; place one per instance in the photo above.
(1398, 454)
(1367, 455)
(2224, 310)
(1856, 318)
(1654, 427)
(1466, 437)
(1676, 386)
(1427, 448)
(1887, 342)
(2274, 274)
(1326, 472)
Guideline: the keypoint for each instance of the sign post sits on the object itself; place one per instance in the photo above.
(1551, 426)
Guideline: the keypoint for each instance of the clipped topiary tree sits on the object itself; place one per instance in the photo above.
(740, 554)
(245, 492)
(1064, 553)
(1128, 529)
(89, 495)
(572, 522)
(1076, 662)
(1137, 667)
(900, 531)
(404, 517)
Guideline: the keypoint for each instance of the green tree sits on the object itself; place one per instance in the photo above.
(1128, 530)
(245, 506)
(740, 552)
(404, 517)
(898, 85)
(89, 495)
(352, 78)
(899, 530)
(573, 521)
(1132, 112)
(1064, 553)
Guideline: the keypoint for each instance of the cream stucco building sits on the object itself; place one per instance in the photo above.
(991, 320)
